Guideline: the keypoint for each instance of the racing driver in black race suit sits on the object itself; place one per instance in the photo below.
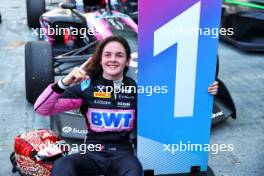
(110, 116)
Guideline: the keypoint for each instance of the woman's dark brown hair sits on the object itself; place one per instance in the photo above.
(94, 68)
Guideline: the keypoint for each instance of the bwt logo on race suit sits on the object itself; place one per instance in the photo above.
(102, 120)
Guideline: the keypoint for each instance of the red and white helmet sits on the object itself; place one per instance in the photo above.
(35, 152)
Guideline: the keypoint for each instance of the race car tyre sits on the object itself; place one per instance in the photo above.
(39, 71)
(35, 8)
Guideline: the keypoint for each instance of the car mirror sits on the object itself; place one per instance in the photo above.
(65, 5)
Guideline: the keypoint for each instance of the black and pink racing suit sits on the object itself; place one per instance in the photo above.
(110, 117)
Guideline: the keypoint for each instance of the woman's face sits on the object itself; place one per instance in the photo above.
(113, 60)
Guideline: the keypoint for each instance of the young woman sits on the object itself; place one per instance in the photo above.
(110, 116)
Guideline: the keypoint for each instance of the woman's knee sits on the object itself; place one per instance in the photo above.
(135, 169)
(63, 166)
(130, 167)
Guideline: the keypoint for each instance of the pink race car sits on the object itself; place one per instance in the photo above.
(68, 35)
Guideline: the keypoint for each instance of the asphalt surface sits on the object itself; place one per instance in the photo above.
(243, 73)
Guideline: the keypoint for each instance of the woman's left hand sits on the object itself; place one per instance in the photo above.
(213, 89)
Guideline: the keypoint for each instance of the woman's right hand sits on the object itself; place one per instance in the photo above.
(77, 75)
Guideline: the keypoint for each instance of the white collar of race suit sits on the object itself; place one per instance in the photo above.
(118, 82)
(117, 86)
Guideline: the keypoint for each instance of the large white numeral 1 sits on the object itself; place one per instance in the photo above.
(187, 46)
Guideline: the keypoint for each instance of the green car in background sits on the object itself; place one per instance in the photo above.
(246, 17)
